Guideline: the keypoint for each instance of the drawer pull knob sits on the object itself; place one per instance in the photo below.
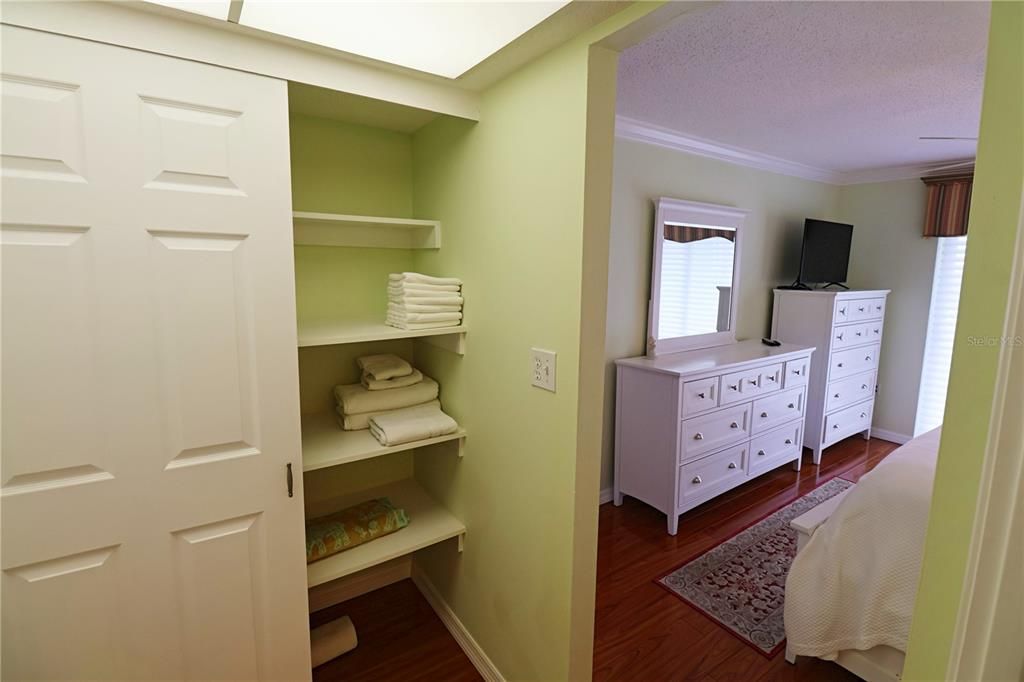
(836, 396)
(876, 331)
(863, 387)
(698, 436)
(734, 425)
(701, 396)
(878, 307)
(796, 371)
(863, 414)
(732, 465)
(764, 415)
(792, 406)
(761, 453)
(839, 365)
(840, 337)
(867, 358)
(733, 387)
(835, 426)
(697, 480)
(789, 441)
(858, 333)
(842, 311)
(771, 378)
(860, 310)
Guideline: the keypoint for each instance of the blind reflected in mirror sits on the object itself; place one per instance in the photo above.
(695, 290)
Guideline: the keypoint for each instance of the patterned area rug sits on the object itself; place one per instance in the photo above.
(741, 583)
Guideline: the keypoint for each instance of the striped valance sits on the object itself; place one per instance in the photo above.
(685, 233)
(949, 204)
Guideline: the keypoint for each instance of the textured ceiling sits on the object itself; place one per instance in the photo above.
(841, 86)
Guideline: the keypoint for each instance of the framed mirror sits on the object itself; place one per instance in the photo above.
(694, 271)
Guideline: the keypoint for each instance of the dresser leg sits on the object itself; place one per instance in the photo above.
(816, 456)
(866, 434)
(616, 496)
(673, 524)
(797, 463)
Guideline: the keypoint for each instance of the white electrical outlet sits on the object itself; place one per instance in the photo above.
(542, 368)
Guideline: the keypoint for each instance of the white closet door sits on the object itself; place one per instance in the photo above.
(150, 385)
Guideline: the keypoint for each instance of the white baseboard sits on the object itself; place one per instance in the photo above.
(606, 496)
(891, 436)
(484, 665)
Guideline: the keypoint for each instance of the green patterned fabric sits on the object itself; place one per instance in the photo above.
(352, 527)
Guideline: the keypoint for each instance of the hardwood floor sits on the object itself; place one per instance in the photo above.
(400, 638)
(643, 633)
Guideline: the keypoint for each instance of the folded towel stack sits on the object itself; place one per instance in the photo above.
(418, 301)
(398, 396)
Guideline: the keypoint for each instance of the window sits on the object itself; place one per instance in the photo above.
(938, 348)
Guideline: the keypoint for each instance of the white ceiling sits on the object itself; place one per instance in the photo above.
(838, 86)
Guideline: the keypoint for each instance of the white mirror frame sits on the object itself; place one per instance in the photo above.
(698, 215)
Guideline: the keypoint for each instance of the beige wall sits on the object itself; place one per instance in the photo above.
(778, 205)
(890, 253)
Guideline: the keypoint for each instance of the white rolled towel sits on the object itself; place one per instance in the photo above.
(357, 399)
(403, 316)
(384, 366)
(419, 278)
(411, 424)
(359, 422)
(419, 326)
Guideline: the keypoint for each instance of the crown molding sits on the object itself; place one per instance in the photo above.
(638, 131)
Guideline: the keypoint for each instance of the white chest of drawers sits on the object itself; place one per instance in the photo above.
(846, 327)
(691, 425)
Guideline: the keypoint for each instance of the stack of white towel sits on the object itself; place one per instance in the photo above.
(418, 301)
(394, 400)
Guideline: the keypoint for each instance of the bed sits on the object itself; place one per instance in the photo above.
(851, 588)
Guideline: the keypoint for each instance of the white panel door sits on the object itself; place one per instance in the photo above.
(150, 385)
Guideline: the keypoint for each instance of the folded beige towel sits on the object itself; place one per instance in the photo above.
(398, 382)
(402, 316)
(412, 423)
(357, 399)
(440, 299)
(412, 307)
(429, 288)
(360, 422)
(416, 326)
(382, 367)
(419, 278)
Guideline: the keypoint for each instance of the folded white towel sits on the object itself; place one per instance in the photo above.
(409, 307)
(416, 326)
(436, 299)
(432, 288)
(359, 422)
(385, 366)
(357, 399)
(412, 423)
(401, 316)
(422, 279)
(386, 384)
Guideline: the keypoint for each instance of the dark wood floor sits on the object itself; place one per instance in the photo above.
(643, 633)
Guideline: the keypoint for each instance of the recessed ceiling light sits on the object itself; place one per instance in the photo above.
(442, 38)
(218, 9)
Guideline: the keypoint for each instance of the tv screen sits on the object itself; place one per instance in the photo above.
(826, 251)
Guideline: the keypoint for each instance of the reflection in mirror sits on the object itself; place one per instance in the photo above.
(695, 290)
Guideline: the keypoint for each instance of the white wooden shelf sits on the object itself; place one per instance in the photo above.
(429, 523)
(360, 331)
(325, 444)
(335, 229)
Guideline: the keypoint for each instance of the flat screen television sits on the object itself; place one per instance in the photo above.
(825, 256)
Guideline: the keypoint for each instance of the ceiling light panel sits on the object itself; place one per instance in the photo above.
(442, 38)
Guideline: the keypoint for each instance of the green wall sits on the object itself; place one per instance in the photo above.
(995, 212)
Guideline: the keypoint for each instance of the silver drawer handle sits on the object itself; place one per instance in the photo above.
(839, 365)
(732, 465)
(840, 337)
(696, 480)
(836, 395)
(770, 378)
(867, 358)
(878, 307)
(761, 453)
(698, 436)
(701, 396)
(858, 333)
(764, 415)
(863, 387)
(876, 331)
(733, 387)
(835, 426)
(842, 311)
(734, 425)
(796, 371)
(791, 406)
(752, 381)
(789, 441)
(860, 310)
(863, 414)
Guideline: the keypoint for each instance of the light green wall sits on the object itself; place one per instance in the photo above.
(510, 194)
(777, 203)
(890, 253)
(995, 212)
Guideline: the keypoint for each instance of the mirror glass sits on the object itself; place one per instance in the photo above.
(695, 291)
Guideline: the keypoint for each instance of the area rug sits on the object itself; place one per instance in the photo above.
(741, 583)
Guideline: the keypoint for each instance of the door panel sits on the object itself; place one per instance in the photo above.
(150, 390)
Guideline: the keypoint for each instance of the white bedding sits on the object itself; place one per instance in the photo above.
(853, 585)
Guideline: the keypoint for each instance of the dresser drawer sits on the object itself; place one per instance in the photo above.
(714, 431)
(848, 391)
(700, 396)
(845, 363)
(843, 312)
(769, 450)
(868, 308)
(751, 383)
(796, 372)
(713, 474)
(778, 409)
(846, 422)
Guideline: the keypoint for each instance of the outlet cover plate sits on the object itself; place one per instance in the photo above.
(542, 368)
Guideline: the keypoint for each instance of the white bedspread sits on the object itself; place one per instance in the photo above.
(853, 585)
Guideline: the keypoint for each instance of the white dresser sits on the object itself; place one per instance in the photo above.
(846, 327)
(693, 424)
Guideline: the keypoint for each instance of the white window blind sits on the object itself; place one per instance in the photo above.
(690, 275)
(938, 348)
